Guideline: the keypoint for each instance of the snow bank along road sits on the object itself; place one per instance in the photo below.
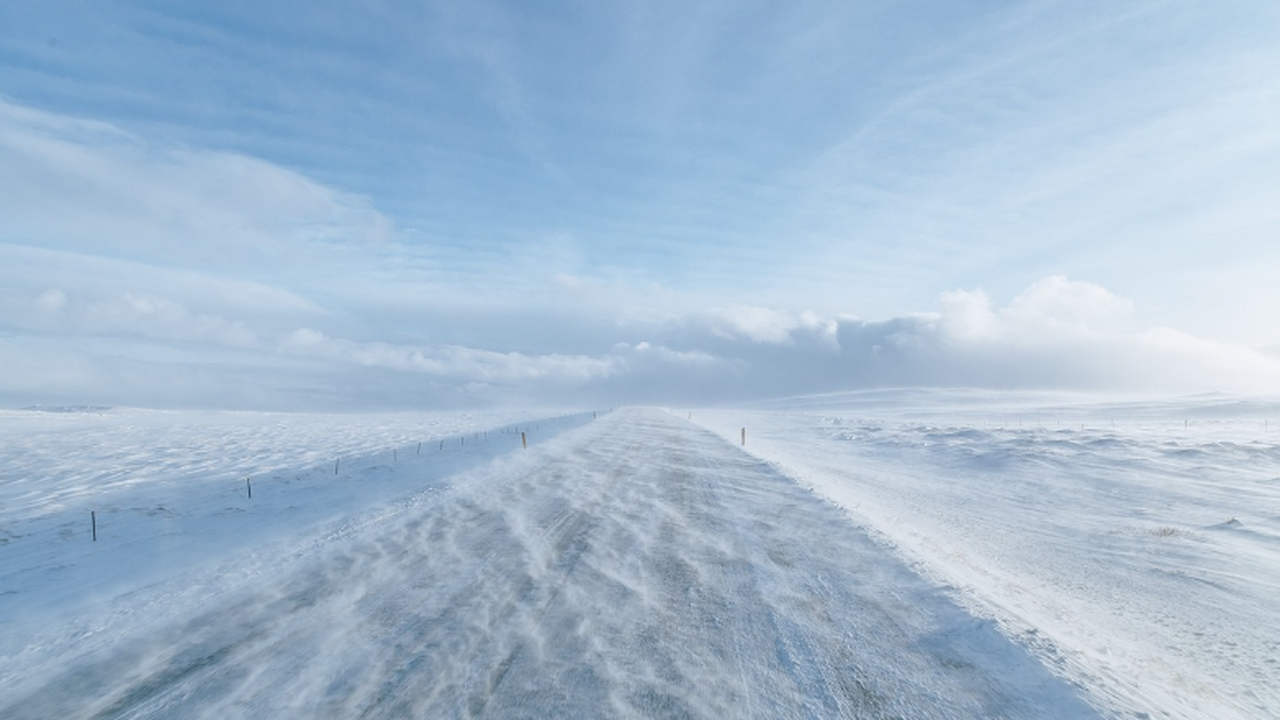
(638, 566)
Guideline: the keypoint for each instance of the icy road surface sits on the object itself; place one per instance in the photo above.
(636, 567)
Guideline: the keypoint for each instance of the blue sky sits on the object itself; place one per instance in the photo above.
(368, 204)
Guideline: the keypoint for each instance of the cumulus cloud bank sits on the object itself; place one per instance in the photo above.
(1058, 334)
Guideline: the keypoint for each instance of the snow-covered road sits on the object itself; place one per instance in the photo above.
(636, 567)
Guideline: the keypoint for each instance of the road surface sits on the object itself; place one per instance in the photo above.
(636, 567)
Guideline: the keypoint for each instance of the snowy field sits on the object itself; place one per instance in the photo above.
(170, 489)
(1133, 546)
(871, 555)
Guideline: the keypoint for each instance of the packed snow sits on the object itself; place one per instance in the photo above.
(868, 555)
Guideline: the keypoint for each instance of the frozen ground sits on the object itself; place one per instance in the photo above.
(632, 566)
(906, 555)
(1134, 546)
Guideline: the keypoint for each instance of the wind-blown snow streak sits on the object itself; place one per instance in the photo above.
(636, 567)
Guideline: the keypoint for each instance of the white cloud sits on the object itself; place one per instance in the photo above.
(99, 297)
(967, 314)
(1057, 334)
(762, 325)
(458, 363)
(1054, 307)
(757, 324)
(165, 319)
(51, 301)
(647, 353)
(1062, 304)
(87, 186)
(568, 282)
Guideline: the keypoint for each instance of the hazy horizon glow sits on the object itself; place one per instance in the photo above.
(321, 205)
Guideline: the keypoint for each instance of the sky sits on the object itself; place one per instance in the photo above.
(366, 205)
